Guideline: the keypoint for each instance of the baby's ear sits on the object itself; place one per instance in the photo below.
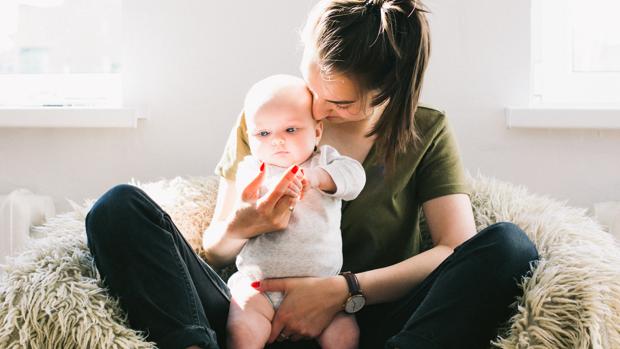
(319, 130)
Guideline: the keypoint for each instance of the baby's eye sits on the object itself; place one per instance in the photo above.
(342, 106)
(263, 133)
(291, 129)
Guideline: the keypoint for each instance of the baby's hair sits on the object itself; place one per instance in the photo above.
(271, 87)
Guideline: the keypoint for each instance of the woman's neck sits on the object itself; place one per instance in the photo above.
(353, 128)
(349, 138)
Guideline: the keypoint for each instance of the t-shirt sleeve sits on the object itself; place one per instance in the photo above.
(347, 173)
(441, 171)
(237, 147)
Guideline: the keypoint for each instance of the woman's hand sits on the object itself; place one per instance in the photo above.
(309, 305)
(256, 215)
(240, 217)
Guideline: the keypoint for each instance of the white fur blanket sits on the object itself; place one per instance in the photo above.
(51, 296)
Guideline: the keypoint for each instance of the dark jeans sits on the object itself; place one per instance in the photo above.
(178, 300)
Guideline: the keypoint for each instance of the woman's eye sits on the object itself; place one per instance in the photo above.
(263, 133)
(291, 129)
(342, 106)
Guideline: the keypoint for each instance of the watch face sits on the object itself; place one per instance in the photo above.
(355, 303)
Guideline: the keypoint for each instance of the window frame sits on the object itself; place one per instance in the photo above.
(66, 100)
(555, 83)
(564, 107)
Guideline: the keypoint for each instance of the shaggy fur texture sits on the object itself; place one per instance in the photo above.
(52, 297)
(572, 299)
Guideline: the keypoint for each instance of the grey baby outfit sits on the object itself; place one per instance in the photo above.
(311, 245)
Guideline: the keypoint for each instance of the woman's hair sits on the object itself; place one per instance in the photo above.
(383, 46)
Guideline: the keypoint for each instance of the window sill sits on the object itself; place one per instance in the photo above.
(563, 118)
(69, 117)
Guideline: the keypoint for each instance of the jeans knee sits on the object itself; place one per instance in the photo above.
(120, 195)
(513, 240)
(113, 208)
(512, 248)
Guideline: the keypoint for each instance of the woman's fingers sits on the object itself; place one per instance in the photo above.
(283, 185)
(251, 191)
(285, 207)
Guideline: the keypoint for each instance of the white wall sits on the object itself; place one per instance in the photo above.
(191, 61)
(480, 65)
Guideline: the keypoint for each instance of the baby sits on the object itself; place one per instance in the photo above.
(282, 133)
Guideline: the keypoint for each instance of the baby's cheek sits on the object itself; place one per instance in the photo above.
(262, 154)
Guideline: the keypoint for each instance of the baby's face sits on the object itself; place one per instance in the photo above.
(282, 132)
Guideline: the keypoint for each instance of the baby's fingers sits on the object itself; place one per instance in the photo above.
(293, 191)
(305, 187)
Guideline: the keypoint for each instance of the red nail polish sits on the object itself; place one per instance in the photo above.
(262, 167)
(256, 284)
(295, 169)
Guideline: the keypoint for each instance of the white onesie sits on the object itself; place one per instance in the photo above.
(311, 245)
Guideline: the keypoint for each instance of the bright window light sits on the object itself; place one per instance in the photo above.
(596, 36)
(60, 53)
(576, 52)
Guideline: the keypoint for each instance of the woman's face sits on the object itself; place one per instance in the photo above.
(335, 98)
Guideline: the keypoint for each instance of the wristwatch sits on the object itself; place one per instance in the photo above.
(356, 300)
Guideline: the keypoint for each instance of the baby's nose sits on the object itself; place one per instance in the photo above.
(277, 141)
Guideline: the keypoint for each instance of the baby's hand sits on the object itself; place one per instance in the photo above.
(296, 186)
(305, 183)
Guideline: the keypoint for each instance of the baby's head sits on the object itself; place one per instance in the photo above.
(278, 114)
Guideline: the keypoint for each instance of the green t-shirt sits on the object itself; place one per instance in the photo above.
(381, 226)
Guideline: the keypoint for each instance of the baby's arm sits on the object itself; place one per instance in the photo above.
(319, 178)
(337, 175)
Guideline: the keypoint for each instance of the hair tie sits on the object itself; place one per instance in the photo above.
(415, 6)
(369, 4)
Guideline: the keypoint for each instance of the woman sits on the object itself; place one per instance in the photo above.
(364, 63)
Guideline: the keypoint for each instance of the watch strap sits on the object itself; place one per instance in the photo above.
(352, 282)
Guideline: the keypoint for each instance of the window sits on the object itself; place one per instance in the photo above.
(576, 52)
(60, 53)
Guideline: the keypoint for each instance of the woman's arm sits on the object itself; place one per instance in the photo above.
(221, 248)
(311, 303)
(451, 222)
